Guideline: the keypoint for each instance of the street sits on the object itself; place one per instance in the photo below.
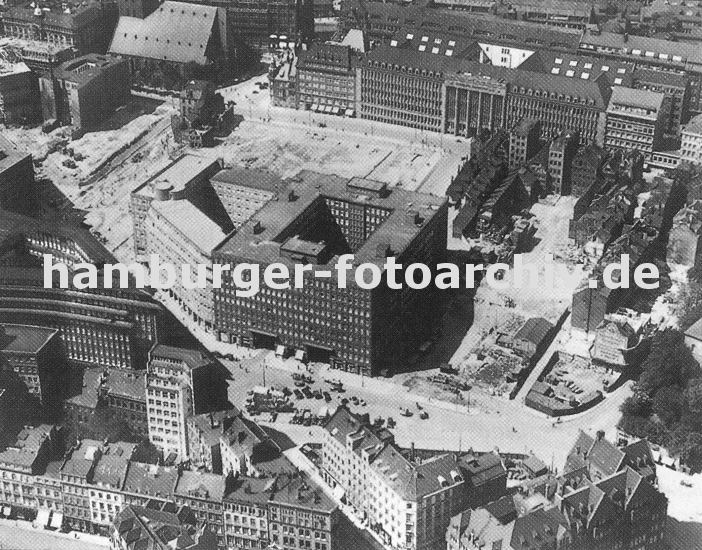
(20, 538)
(486, 424)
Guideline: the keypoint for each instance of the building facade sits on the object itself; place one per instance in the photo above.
(350, 327)
(691, 146)
(176, 384)
(90, 88)
(636, 120)
(326, 79)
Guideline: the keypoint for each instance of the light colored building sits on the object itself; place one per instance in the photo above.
(203, 493)
(408, 498)
(19, 463)
(183, 236)
(170, 216)
(246, 449)
(106, 498)
(635, 120)
(691, 146)
(173, 378)
(245, 512)
(244, 192)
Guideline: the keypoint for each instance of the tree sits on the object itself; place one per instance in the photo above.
(691, 452)
(639, 404)
(693, 395)
(668, 404)
(658, 369)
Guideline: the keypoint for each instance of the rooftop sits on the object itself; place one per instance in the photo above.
(644, 47)
(300, 492)
(176, 176)
(639, 99)
(26, 449)
(85, 68)
(176, 31)
(694, 126)
(260, 238)
(255, 179)
(191, 358)
(149, 528)
(80, 459)
(150, 480)
(251, 490)
(201, 485)
(191, 222)
(24, 338)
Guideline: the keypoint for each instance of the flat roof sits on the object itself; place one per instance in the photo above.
(247, 177)
(85, 68)
(641, 99)
(176, 175)
(191, 222)
(397, 231)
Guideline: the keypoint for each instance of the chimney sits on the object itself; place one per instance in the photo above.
(412, 453)
(626, 37)
(292, 197)
(257, 227)
(600, 435)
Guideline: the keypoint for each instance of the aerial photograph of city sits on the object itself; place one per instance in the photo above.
(351, 274)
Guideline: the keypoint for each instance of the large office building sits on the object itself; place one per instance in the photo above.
(177, 381)
(90, 88)
(170, 218)
(38, 357)
(316, 218)
(19, 94)
(85, 26)
(18, 191)
(636, 120)
(654, 53)
(326, 79)
(112, 327)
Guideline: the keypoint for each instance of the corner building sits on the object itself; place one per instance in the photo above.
(315, 219)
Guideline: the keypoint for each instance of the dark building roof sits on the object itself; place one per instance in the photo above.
(301, 492)
(534, 330)
(24, 338)
(260, 238)
(87, 67)
(26, 449)
(255, 179)
(158, 529)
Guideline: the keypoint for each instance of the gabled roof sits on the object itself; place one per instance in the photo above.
(534, 330)
(176, 31)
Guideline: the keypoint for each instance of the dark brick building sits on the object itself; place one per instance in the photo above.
(316, 218)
